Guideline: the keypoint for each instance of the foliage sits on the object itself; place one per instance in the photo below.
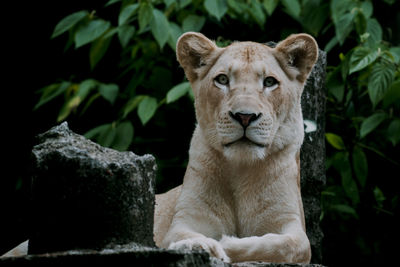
(363, 82)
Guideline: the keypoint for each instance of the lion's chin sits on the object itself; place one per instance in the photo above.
(244, 151)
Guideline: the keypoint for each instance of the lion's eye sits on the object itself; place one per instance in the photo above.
(270, 82)
(222, 79)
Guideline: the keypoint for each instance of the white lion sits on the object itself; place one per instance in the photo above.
(240, 199)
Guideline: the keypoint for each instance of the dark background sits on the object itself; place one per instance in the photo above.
(30, 61)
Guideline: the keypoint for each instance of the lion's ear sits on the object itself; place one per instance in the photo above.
(193, 51)
(298, 52)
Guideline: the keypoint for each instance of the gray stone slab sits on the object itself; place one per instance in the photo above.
(85, 196)
(114, 257)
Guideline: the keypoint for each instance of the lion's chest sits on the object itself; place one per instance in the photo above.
(262, 208)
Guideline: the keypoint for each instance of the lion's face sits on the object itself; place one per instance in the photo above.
(247, 96)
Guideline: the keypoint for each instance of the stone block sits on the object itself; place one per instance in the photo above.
(312, 154)
(85, 196)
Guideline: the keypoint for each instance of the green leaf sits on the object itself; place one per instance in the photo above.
(50, 92)
(131, 105)
(256, 11)
(393, 132)
(184, 3)
(335, 140)
(76, 99)
(379, 196)
(125, 34)
(178, 91)
(292, 7)
(360, 22)
(68, 22)
(145, 15)
(124, 136)
(110, 32)
(73, 102)
(91, 134)
(270, 5)
(112, 2)
(193, 23)
(374, 31)
(345, 65)
(85, 87)
(168, 3)
(331, 44)
(369, 124)
(395, 51)
(147, 108)
(344, 26)
(341, 7)
(174, 34)
(237, 6)
(343, 18)
(107, 136)
(361, 58)
(380, 80)
(314, 16)
(127, 12)
(216, 8)
(367, 9)
(345, 209)
(90, 32)
(97, 50)
(393, 95)
(335, 84)
(89, 102)
(191, 95)
(160, 27)
(109, 91)
(341, 163)
(360, 165)
(68, 106)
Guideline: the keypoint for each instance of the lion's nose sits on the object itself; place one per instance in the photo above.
(244, 118)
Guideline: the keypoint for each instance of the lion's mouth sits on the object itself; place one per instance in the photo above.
(246, 141)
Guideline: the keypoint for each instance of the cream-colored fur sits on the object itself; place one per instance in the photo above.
(240, 199)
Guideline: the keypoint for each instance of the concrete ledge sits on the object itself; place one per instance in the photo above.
(136, 256)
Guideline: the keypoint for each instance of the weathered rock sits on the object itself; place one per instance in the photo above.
(264, 264)
(312, 155)
(133, 256)
(85, 196)
(138, 256)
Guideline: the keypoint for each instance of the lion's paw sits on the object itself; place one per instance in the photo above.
(210, 245)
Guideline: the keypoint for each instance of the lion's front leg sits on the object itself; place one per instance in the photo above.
(292, 247)
(201, 214)
(195, 226)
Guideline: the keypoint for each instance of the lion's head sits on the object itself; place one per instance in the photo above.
(247, 95)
